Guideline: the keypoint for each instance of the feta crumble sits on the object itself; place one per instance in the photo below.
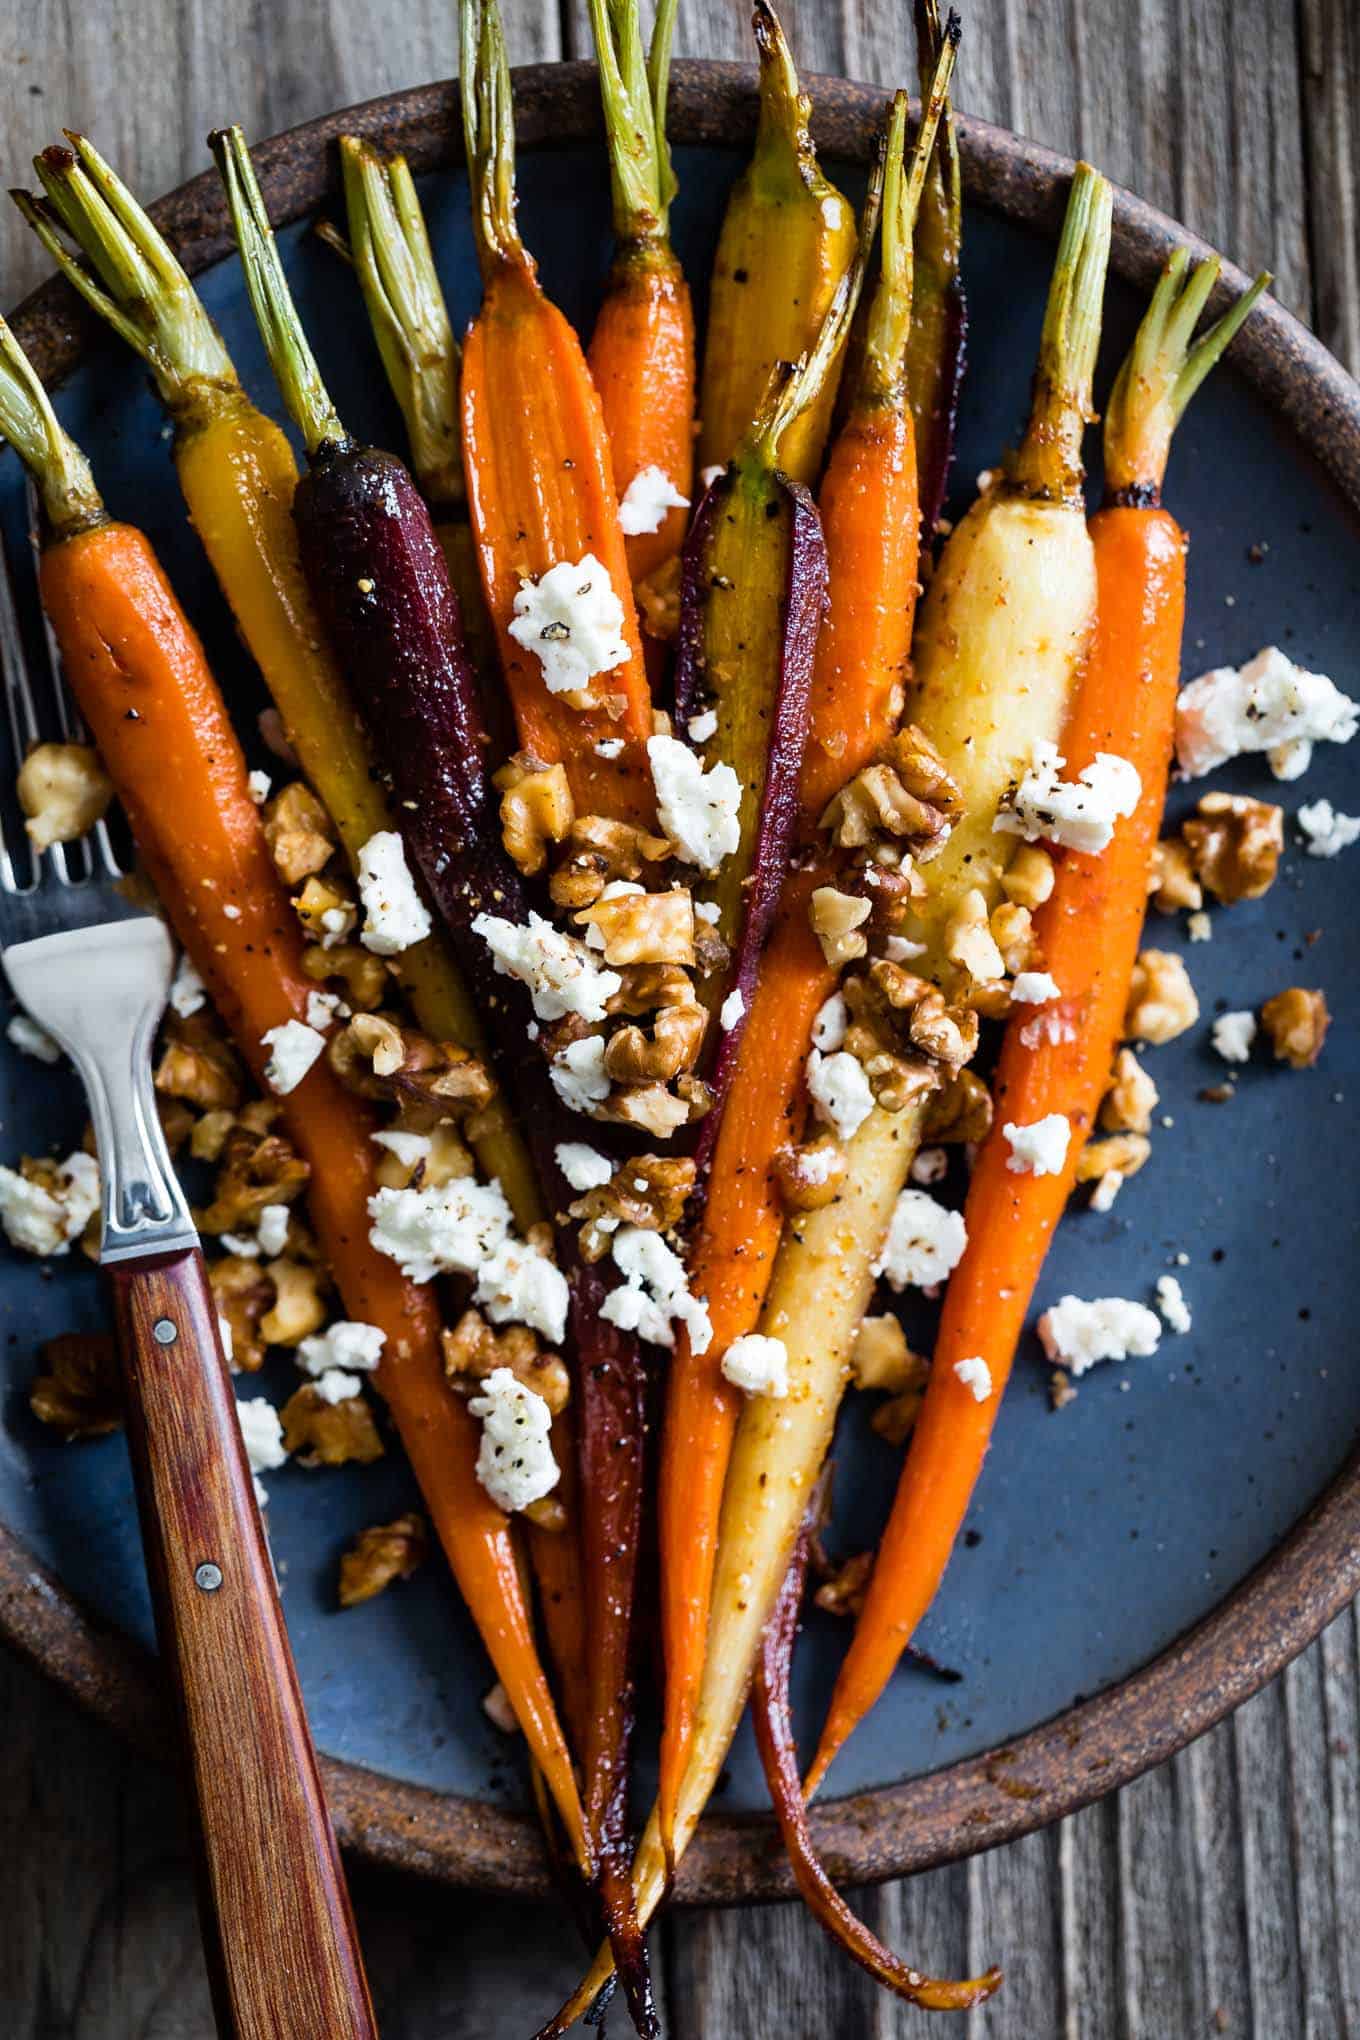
(839, 1091)
(709, 475)
(708, 910)
(732, 1009)
(293, 1048)
(1325, 832)
(517, 1284)
(925, 1242)
(262, 1429)
(578, 1074)
(259, 784)
(655, 1295)
(42, 1221)
(271, 1229)
(409, 1148)
(609, 748)
(572, 621)
(1199, 927)
(395, 916)
(464, 1228)
(30, 1039)
(1172, 1304)
(1080, 813)
(1233, 1035)
(702, 727)
(324, 1008)
(931, 1165)
(562, 975)
(830, 1027)
(976, 1376)
(644, 503)
(515, 1461)
(347, 1344)
(336, 924)
(1034, 988)
(1270, 705)
(333, 1385)
(1040, 1149)
(758, 1365)
(584, 1167)
(188, 993)
(1077, 1334)
(700, 811)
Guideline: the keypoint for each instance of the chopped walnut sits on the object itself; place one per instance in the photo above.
(907, 793)
(1296, 1021)
(198, 1066)
(658, 600)
(1162, 1002)
(651, 1108)
(632, 1056)
(1061, 1390)
(549, 1513)
(711, 953)
(363, 974)
(1028, 879)
(837, 919)
(381, 1554)
(895, 1419)
(473, 1349)
(882, 1359)
(377, 1058)
(78, 1389)
(844, 1592)
(646, 1190)
(810, 1176)
(1235, 843)
(321, 1433)
(968, 940)
(1122, 1155)
(1171, 877)
(961, 1112)
(257, 1169)
(298, 1307)
(595, 852)
(177, 1123)
(904, 1035)
(536, 809)
(63, 790)
(299, 832)
(209, 1135)
(445, 1159)
(644, 927)
(243, 1294)
(893, 891)
(326, 911)
(1012, 929)
(947, 1034)
(1131, 1099)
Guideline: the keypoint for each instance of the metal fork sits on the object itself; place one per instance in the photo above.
(95, 970)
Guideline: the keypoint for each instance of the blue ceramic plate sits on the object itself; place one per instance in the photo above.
(1099, 1535)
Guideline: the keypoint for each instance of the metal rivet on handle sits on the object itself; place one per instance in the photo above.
(208, 1576)
(165, 1331)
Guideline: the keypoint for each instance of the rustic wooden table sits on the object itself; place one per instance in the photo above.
(1220, 1894)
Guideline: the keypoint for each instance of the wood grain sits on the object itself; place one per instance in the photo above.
(1223, 1893)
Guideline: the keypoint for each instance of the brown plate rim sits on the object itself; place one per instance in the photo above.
(1091, 1748)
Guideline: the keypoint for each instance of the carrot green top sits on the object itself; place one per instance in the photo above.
(489, 136)
(70, 500)
(1048, 463)
(633, 87)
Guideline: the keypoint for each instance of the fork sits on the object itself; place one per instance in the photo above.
(94, 969)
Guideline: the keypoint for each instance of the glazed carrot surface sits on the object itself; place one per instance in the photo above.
(642, 361)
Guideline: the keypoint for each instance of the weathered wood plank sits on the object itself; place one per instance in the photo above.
(1331, 108)
(1089, 1912)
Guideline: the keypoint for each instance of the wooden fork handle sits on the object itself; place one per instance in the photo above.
(283, 1957)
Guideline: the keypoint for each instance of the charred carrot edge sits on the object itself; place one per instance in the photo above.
(156, 714)
(641, 352)
(1088, 933)
(539, 475)
(868, 496)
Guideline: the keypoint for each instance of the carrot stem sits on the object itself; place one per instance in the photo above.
(1048, 463)
(489, 128)
(65, 482)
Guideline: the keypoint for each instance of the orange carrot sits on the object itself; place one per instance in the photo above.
(869, 512)
(539, 474)
(1055, 1059)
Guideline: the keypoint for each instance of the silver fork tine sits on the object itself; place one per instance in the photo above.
(73, 863)
(23, 727)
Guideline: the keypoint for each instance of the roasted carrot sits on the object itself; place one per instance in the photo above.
(642, 349)
(238, 475)
(788, 238)
(1056, 1059)
(868, 500)
(539, 474)
(158, 719)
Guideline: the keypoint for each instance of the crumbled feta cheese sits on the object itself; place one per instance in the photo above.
(572, 621)
(976, 1376)
(33, 1040)
(409, 1148)
(709, 475)
(931, 1165)
(1077, 1334)
(654, 1296)
(271, 1229)
(515, 1461)
(293, 1048)
(188, 993)
(262, 1430)
(1325, 832)
(819, 1164)
(702, 727)
(1107, 1189)
(42, 1221)
(708, 910)
(839, 1091)
(732, 1009)
(245, 1246)
(395, 916)
(609, 748)
(562, 975)
(517, 1284)
(1199, 927)
(700, 811)
(925, 1242)
(259, 784)
(445, 1230)
(578, 1074)
(758, 1365)
(644, 503)
(1079, 813)
(829, 1028)
(1271, 705)
(1040, 1149)
(1233, 1035)
(345, 1344)
(323, 1009)
(1034, 988)
(336, 924)
(1172, 1304)
(584, 1167)
(333, 1385)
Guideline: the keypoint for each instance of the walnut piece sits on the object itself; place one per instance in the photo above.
(651, 1108)
(1012, 929)
(644, 927)
(1235, 844)
(1028, 879)
(198, 1066)
(907, 793)
(1171, 877)
(969, 942)
(320, 898)
(375, 1057)
(536, 809)
(650, 1191)
(321, 1433)
(882, 1359)
(243, 1294)
(257, 1169)
(810, 1176)
(472, 1349)
(299, 832)
(1122, 1155)
(961, 1113)
(448, 1159)
(209, 1135)
(381, 1554)
(632, 1056)
(298, 1308)
(363, 975)
(1296, 1021)
(78, 1388)
(595, 852)
(658, 600)
(837, 919)
(895, 1419)
(1129, 1103)
(1162, 1002)
(63, 790)
(844, 1592)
